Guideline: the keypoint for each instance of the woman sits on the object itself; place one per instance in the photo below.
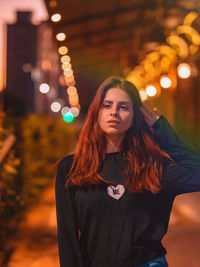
(114, 196)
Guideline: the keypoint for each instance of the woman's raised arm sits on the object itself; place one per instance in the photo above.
(184, 175)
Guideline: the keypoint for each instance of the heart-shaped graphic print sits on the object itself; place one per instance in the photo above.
(116, 191)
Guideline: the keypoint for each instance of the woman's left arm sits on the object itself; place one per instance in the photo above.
(184, 175)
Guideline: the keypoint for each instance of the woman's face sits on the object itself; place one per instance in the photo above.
(116, 113)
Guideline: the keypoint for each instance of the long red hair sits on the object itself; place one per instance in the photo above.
(145, 158)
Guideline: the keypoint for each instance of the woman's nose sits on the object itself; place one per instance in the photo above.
(114, 111)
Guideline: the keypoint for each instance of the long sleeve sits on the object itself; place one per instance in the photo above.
(184, 175)
(67, 224)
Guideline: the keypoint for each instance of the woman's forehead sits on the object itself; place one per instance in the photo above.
(117, 94)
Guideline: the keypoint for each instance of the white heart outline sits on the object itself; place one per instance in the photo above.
(120, 188)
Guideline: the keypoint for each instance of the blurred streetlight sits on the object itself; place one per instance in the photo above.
(56, 17)
(55, 106)
(61, 36)
(44, 88)
(184, 70)
(151, 90)
(143, 94)
(75, 111)
(62, 50)
(165, 82)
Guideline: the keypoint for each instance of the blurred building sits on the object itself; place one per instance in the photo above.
(21, 58)
(46, 71)
(32, 60)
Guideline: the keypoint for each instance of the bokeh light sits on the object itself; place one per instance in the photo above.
(65, 59)
(52, 3)
(66, 66)
(65, 109)
(165, 82)
(68, 116)
(68, 73)
(151, 90)
(69, 79)
(61, 36)
(44, 88)
(27, 67)
(55, 106)
(71, 90)
(143, 94)
(184, 70)
(62, 50)
(56, 17)
(75, 111)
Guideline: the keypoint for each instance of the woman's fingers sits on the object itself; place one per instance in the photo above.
(150, 115)
(157, 112)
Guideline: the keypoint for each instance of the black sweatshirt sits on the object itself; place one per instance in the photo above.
(111, 227)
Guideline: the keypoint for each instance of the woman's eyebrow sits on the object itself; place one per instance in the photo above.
(120, 102)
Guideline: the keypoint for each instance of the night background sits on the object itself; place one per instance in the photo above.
(53, 56)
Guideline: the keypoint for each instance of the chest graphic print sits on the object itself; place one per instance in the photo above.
(116, 191)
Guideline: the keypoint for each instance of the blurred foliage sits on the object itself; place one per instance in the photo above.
(30, 165)
(44, 141)
(10, 200)
(189, 132)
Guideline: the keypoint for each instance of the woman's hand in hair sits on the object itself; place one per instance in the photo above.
(151, 116)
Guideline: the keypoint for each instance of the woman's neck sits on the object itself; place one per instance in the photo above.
(113, 144)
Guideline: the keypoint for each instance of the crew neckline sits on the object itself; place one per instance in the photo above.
(113, 153)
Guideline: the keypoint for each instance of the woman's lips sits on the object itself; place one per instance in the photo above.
(113, 122)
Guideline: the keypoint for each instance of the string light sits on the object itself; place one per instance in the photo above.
(68, 73)
(68, 116)
(61, 36)
(75, 111)
(62, 50)
(65, 59)
(44, 88)
(64, 110)
(143, 94)
(69, 79)
(71, 90)
(55, 106)
(184, 70)
(151, 90)
(52, 3)
(56, 17)
(165, 82)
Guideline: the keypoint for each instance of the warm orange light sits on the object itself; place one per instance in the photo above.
(63, 50)
(61, 36)
(62, 80)
(65, 59)
(69, 79)
(151, 90)
(73, 99)
(143, 94)
(71, 90)
(165, 82)
(56, 17)
(68, 73)
(184, 70)
(72, 83)
(190, 18)
(66, 66)
(52, 3)
(75, 111)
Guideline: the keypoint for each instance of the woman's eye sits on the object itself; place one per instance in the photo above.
(106, 105)
(124, 107)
